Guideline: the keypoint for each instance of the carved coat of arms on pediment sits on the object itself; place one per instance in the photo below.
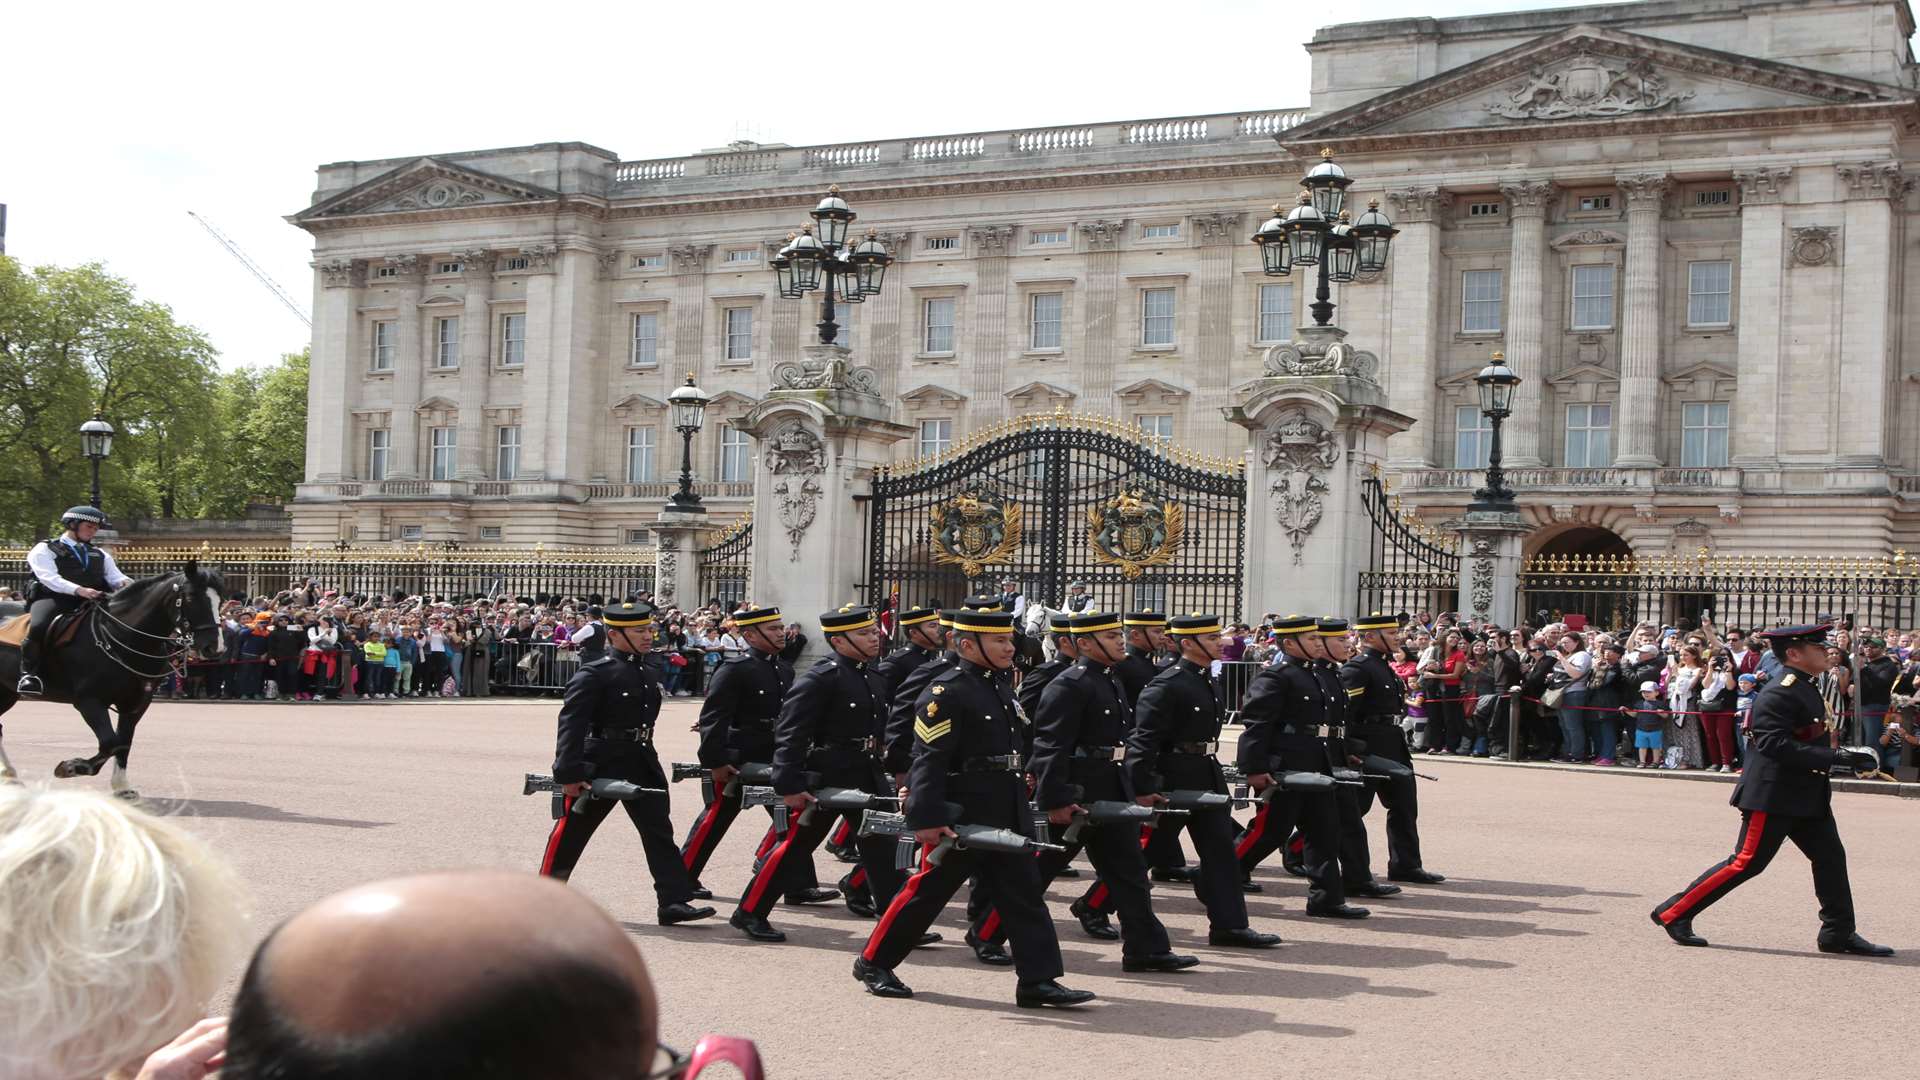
(1586, 86)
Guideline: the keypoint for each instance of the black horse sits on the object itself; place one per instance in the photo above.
(122, 647)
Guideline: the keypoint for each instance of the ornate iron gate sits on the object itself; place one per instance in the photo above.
(1410, 567)
(726, 568)
(1054, 499)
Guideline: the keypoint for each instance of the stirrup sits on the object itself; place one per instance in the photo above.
(29, 686)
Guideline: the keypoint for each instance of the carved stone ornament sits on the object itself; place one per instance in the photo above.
(1311, 358)
(1418, 204)
(976, 530)
(1103, 235)
(341, 273)
(477, 262)
(1134, 530)
(834, 374)
(406, 266)
(1298, 451)
(606, 265)
(664, 566)
(1591, 238)
(1481, 584)
(690, 258)
(540, 256)
(437, 195)
(1874, 180)
(795, 459)
(1586, 86)
(1814, 245)
(1222, 227)
(1762, 185)
(991, 239)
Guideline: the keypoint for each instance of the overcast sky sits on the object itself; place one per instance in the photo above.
(122, 117)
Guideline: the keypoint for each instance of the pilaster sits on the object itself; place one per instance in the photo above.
(476, 354)
(1414, 308)
(991, 246)
(1873, 236)
(884, 313)
(1218, 233)
(548, 409)
(1763, 264)
(1490, 559)
(676, 568)
(331, 370)
(1639, 303)
(1101, 331)
(1527, 204)
(409, 371)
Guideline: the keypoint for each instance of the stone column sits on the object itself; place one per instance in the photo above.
(1317, 422)
(1490, 558)
(785, 334)
(676, 567)
(884, 320)
(1640, 323)
(1872, 236)
(1527, 203)
(545, 370)
(1413, 338)
(1763, 261)
(821, 432)
(991, 247)
(332, 374)
(689, 310)
(476, 358)
(1101, 334)
(409, 373)
(1218, 233)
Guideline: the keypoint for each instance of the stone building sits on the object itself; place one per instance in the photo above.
(1683, 221)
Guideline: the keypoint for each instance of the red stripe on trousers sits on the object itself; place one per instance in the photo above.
(1298, 846)
(553, 840)
(1749, 844)
(893, 912)
(1098, 897)
(857, 879)
(769, 870)
(701, 831)
(1146, 836)
(1252, 835)
(766, 843)
(841, 832)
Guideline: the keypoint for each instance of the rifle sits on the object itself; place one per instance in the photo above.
(846, 800)
(1295, 782)
(1380, 766)
(966, 837)
(1116, 812)
(750, 773)
(1198, 800)
(618, 790)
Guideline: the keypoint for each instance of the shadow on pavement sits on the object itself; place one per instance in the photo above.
(1171, 1017)
(1903, 958)
(248, 811)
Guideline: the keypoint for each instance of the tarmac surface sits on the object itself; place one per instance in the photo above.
(1534, 959)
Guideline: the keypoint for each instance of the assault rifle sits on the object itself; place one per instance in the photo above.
(831, 799)
(750, 773)
(1116, 812)
(617, 790)
(1292, 781)
(966, 837)
(1190, 801)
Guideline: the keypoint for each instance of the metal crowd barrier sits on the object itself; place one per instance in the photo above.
(1232, 681)
(531, 667)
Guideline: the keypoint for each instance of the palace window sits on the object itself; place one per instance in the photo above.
(942, 243)
(936, 437)
(446, 342)
(1703, 435)
(1276, 313)
(441, 449)
(386, 271)
(645, 351)
(506, 462)
(412, 532)
(451, 267)
(639, 536)
(1044, 320)
(739, 333)
(386, 336)
(1480, 302)
(1593, 298)
(1156, 317)
(1472, 436)
(648, 262)
(936, 316)
(489, 534)
(1168, 231)
(736, 455)
(1713, 197)
(379, 443)
(1156, 425)
(513, 340)
(743, 255)
(1047, 237)
(1484, 209)
(1589, 436)
(1710, 293)
(640, 444)
(1596, 202)
(514, 262)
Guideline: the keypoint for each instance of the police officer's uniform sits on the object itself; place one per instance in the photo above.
(966, 769)
(828, 735)
(1376, 701)
(736, 728)
(606, 732)
(1285, 713)
(62, 566)
(1784, 793)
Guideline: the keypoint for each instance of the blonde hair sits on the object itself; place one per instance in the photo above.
(116, 929)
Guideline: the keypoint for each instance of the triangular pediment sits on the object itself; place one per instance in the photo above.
(1586, 75)
(637, 403)
(1706, 369)
(1041, 391)
(932, 394)
(425, 184)
(1140, 390)
(732, 399)
(1584, 373)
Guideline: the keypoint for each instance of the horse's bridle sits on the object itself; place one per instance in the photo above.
(178, 643)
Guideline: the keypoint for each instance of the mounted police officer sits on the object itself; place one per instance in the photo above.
(606, 733)
(67, 571)
(1375, 703)
(1786, 793)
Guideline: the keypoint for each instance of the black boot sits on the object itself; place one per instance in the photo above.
(815, 895)
(673, 914)
(29, 684)
(1855, 945)
(879, 981)
(1680, 930)
(1048, 993)
(987, 952)
(1093, 922)
(754, 926)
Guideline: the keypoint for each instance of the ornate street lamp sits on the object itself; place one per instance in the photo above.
(1496, 382)
(822, 258)
(689, 404)
(96, 442)
(1320, 231)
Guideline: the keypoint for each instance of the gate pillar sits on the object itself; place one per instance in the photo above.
(676, 567)
(820, 433)
(1490, 542)
(1317, 422)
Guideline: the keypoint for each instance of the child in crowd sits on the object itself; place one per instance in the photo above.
(1743, 711)
(1649, 724)
(1416, 714)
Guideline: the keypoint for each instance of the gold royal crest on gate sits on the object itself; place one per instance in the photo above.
(975, 530)
(1134, 530)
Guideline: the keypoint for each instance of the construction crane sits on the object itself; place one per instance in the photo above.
(252, 268)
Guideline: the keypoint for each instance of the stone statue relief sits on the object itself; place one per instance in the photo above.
(795, 460)
(1586, 86)
(1298, 451)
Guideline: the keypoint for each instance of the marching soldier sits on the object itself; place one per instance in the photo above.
(1375, 704)
(736, 728)
(1147, 638)
(606, 732)
(1286, 713)
(899, 741)
(1060, 628)
(1786, 793)
(966, 769)
(67, 571)
(1329, 642)
(1176, 731)
(828, 735)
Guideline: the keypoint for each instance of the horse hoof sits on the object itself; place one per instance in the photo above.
(73, 767)
(128, 794)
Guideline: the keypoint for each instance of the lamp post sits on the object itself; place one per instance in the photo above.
(689, 404)
(1497, 382)
(1320, 231)
(821, 258)
(96, 441)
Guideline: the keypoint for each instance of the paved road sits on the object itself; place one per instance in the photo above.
(1535, 959)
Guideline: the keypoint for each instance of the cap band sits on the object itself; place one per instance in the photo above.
(844, 627)
(965, 625)
(1094, 628)
(1285, 630)
(1144, 620)
(1210, 628)
(1376, 623)
(772, 616)
(916, 620)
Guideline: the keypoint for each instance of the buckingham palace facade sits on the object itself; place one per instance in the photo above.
(1684, 224)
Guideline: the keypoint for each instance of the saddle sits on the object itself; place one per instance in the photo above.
(13, 632)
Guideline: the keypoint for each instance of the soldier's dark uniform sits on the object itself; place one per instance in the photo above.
(1176, 731)
(966, 768)
(828, 735)
(1035, 681)
(895, 669)
(1376, 701)
(1159, 845)
(606, 732)
(1284, 712)
(897, 665)
(736, 728)
(1784, 793)
(1355, 861)
(899, 736)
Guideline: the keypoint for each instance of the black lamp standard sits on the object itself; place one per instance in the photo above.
(96, 441)
(689, 404)
(820, 257)
(1496, 382)
(1321, 231)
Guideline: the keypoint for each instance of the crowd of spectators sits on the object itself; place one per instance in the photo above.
(312, 643)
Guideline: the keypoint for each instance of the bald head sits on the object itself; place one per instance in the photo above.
(475, 974)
